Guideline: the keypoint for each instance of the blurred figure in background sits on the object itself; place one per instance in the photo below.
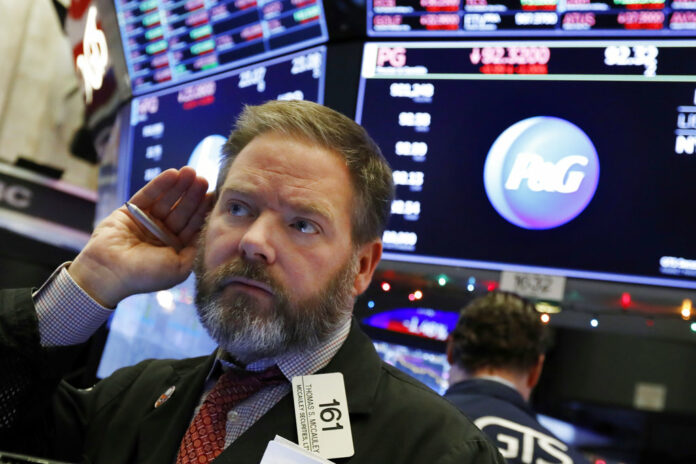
(497, 354)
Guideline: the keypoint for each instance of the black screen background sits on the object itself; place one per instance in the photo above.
(641, 209)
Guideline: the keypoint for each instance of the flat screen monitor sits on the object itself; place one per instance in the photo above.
(551, 18)
(155, 325)
(567, 158)
(181, 126)
(187, 124)
(167, 42)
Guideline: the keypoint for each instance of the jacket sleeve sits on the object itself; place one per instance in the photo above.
(20, 356)
(29, 376)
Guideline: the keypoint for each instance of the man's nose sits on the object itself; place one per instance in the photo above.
(257, 242)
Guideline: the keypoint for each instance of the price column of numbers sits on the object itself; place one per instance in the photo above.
(410, 157)
(149, 131)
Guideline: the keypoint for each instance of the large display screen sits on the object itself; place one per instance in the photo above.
(155, 325)
(187, 125)
(448, 18)
(570, 158)
(168, 41)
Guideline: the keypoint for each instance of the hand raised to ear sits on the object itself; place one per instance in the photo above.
(123, 258)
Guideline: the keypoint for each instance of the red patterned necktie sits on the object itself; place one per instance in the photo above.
(204, 440)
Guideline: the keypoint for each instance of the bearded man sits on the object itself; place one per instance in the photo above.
(291, 237)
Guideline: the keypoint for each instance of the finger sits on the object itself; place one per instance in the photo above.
(186, 256)
(197, 220)
(187, 205)
(146, 196)
(163, 205)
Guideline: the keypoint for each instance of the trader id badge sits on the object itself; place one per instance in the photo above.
(321, 414)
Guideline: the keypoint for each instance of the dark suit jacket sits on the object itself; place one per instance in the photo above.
(394, 418)
(482, 398)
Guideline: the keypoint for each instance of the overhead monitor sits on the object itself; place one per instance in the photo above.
(168, 42)
(188, 124)
(552, 18)
(568, 158)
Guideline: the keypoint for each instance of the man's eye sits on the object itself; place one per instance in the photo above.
(306, 227)
(237, 209)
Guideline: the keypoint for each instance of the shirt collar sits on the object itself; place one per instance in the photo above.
(498, 379)
(291, 364)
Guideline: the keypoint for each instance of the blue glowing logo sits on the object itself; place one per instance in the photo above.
(541, 172)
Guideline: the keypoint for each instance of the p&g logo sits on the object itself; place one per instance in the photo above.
(541, 172)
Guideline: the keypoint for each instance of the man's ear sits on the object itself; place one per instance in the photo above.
(535, 372)
(450, 349)
(369, 255)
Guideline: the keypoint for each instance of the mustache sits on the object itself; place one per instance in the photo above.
(220, 277)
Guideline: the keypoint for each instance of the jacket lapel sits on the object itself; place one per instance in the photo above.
(161, 430)
(361, 368)
(360, 365)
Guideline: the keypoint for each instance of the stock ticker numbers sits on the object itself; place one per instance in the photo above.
(167, 41)
(411, 149)
(511, 60)
(532, 17)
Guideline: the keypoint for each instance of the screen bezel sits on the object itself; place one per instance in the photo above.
(369, 52)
